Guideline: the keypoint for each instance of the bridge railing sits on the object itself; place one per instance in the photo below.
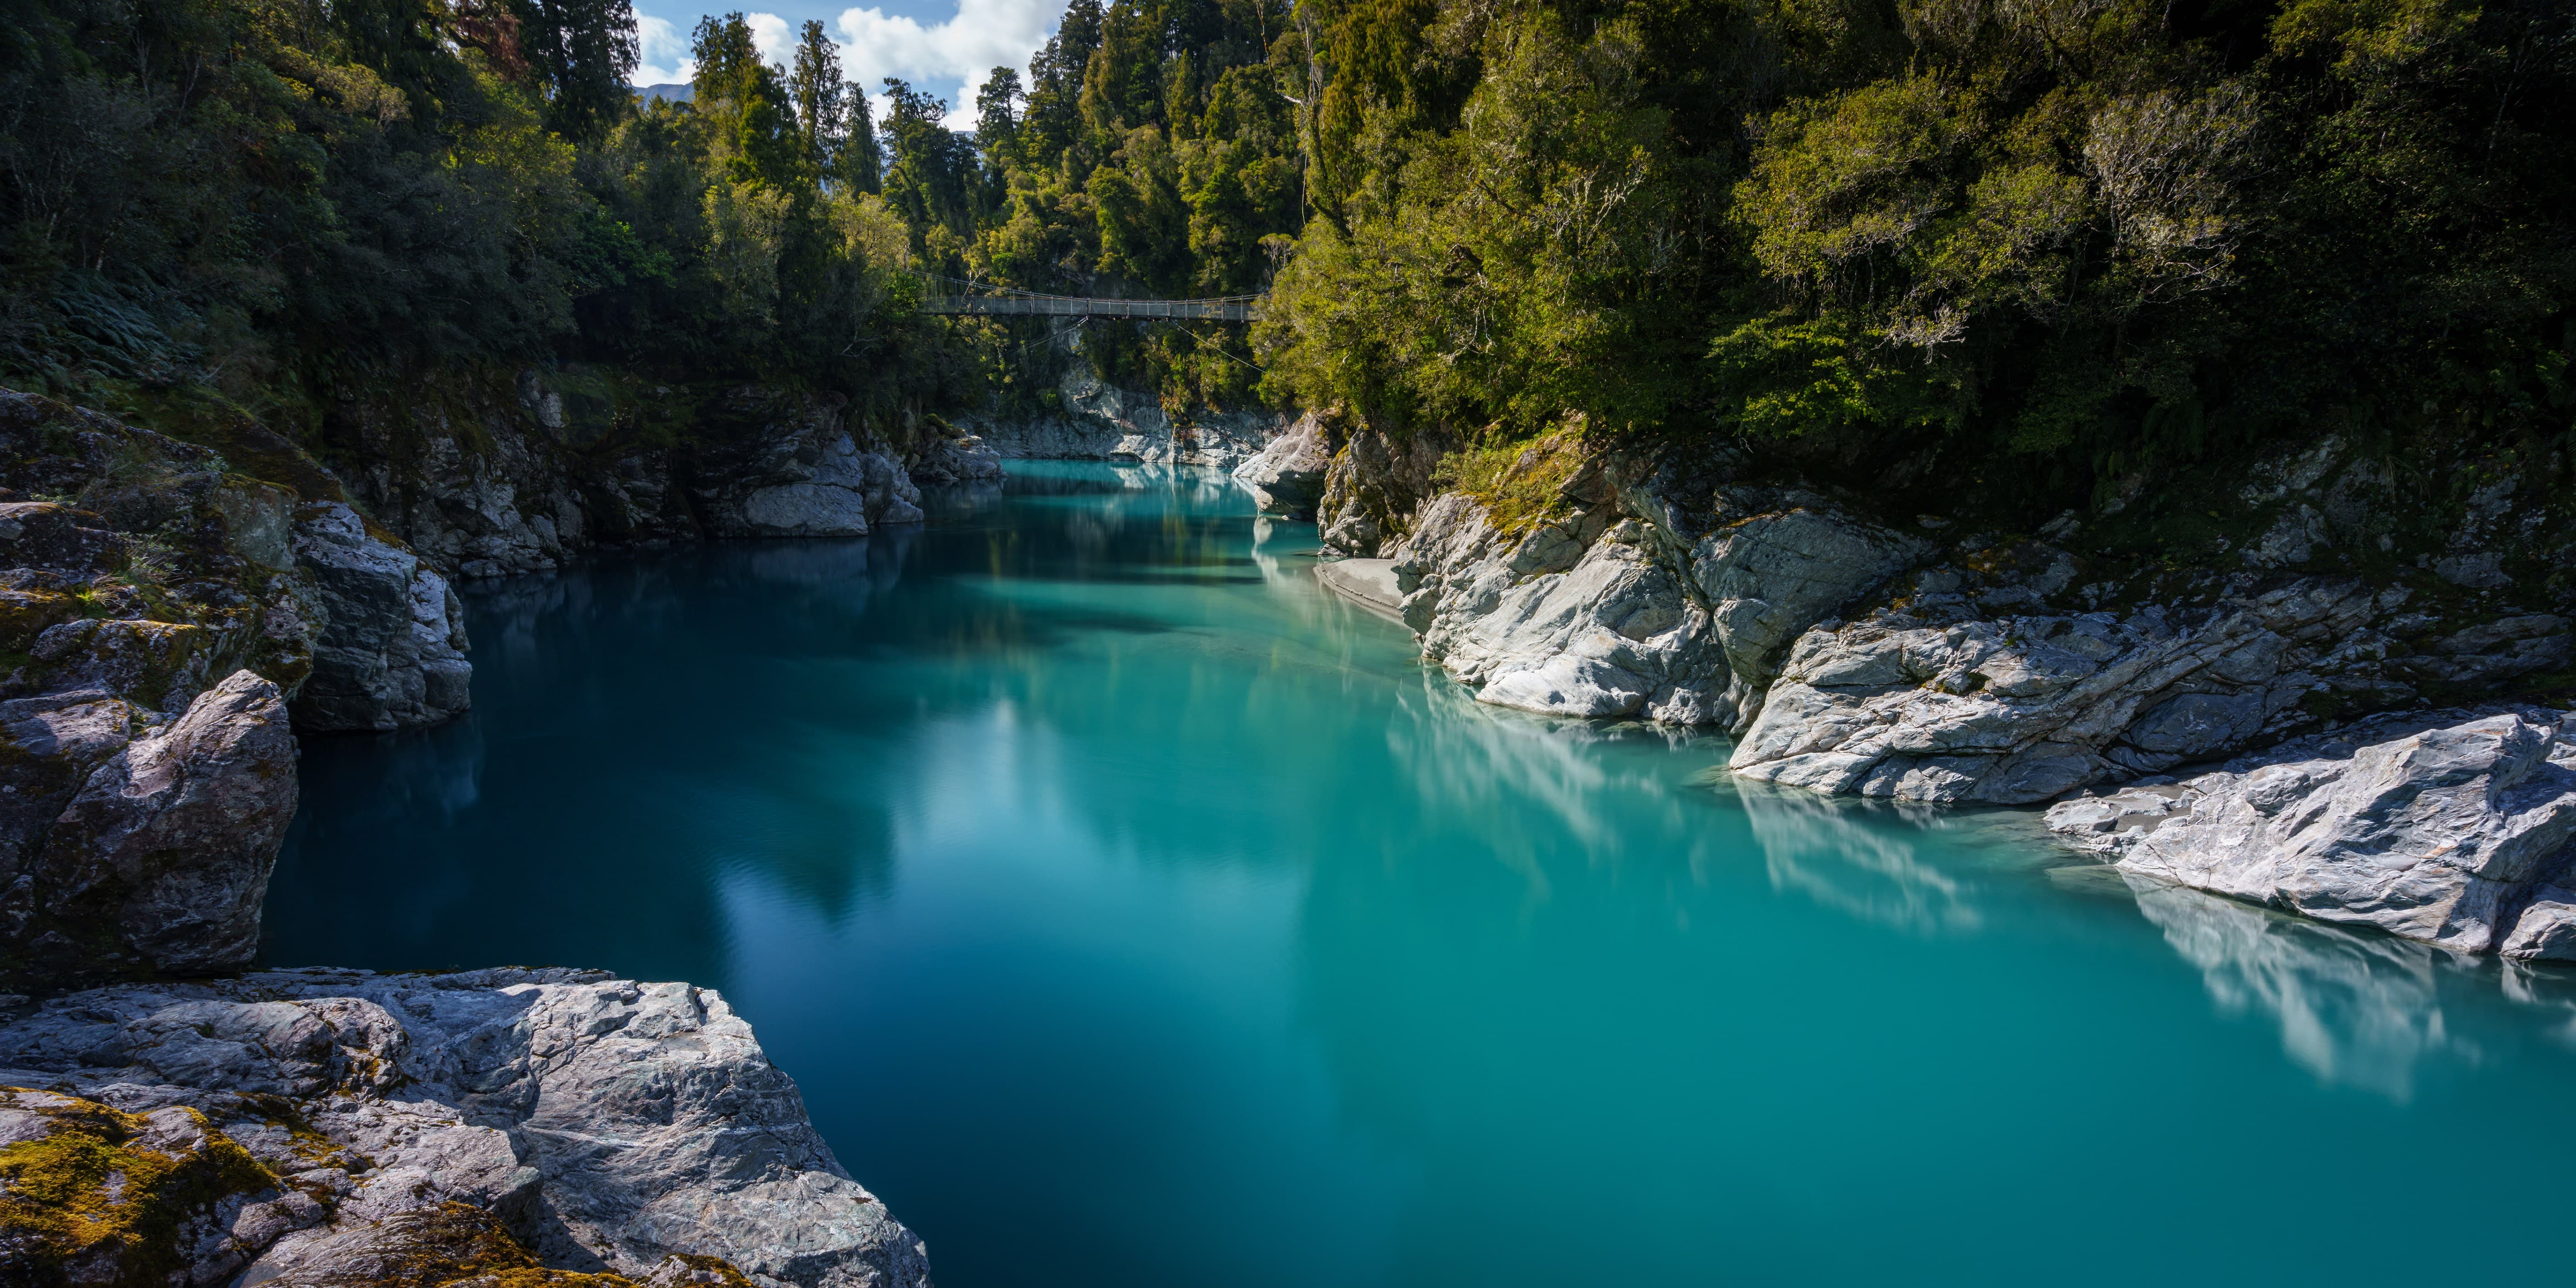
(1002, 301)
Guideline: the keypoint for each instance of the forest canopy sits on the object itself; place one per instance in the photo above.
(2064, 236)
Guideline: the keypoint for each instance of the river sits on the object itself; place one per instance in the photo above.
(1134, 913)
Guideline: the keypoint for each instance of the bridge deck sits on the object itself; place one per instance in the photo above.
(1068, 306)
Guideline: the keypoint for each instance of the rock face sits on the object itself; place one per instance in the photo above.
(1573, 620)
(1377, 486)
(1095, 421)
(810, 482)
(2457, 832)
(157, 625)
(1853, 658)
(1287, 477)
(1939, 703)
(963, 458)
(394, 654)
(349, 1121)
(162, 860)
(524, 484)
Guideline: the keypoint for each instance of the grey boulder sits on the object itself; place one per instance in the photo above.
(1574, 620)
(161, 860)
(609, 1124)
(1938, 703)
(2453, 833)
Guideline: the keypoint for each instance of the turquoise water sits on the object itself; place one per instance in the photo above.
(1133, 913)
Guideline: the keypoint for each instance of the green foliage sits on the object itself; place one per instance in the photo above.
(273, 203)
(2051, 242)
(2066, 240)
(1521, 483)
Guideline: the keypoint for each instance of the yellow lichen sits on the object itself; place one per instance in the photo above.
(87, 1192)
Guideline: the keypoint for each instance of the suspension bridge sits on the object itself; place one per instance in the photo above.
(983, 299)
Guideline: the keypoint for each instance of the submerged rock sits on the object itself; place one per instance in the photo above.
(2457, 832)
(606, 1125)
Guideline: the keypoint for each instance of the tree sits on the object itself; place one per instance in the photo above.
(816, 87)
(580, 53)
(752, 126)
(997, 121)
(861, 164)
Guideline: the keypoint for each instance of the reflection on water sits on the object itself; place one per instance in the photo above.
(1134, 912)
(1845, 855)
(2354, 1007)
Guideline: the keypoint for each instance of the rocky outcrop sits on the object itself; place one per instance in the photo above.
(1766, 563)
(154, 626)
(2451, 829)
(1287, 476)
(332, 1124)
(1088, 419)
(500, 486)
(1377, 484)
(1850, 657)
(160, 862)
(1573, 619)
(807, 480)
(954, 456)
(393, 654)
(1937, 701)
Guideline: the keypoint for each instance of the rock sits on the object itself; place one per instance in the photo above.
(817, 483)
(392, 649)
(1376, 486)
(963, 459)
(1369, 583)
(36, 534)
(1287, 477)
(1778, 563)
(1577, 622)
(606, 1125)
(1940, 703)
(161, 861)
(2457, 833)
(1093, 420)
(92, 1194)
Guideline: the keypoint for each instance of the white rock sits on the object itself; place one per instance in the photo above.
(610, 1123)
(2456, 835)
(2019, 709)
(1287, 476)
(1549, 621)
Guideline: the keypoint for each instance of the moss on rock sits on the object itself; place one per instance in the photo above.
(94, 1195)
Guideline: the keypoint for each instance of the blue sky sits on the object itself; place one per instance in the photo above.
(946, 47)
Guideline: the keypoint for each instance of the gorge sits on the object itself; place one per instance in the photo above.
(1924, 641)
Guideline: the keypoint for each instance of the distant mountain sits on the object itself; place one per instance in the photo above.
(675, 93)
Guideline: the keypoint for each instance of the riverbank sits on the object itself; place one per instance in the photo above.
(1110, 886)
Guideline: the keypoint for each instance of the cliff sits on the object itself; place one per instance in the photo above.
(168, 624)
(1851, 652)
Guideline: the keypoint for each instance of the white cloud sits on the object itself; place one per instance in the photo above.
(950, 58)
(776, 42)
(659, 40)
